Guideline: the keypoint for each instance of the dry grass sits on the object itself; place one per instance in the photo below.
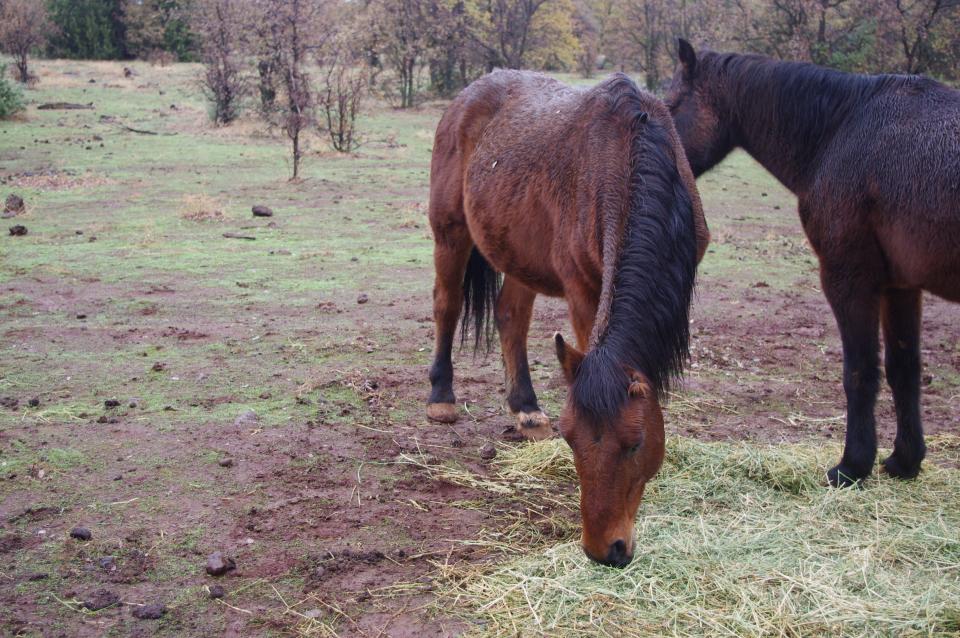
(201, 208)
(732, 540)
(56, 181)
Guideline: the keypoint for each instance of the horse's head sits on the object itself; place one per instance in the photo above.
(614, 460)
(695, 104)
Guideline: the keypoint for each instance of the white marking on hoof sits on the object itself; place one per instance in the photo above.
(534, 426)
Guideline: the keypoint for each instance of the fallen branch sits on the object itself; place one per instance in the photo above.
(238, 236)
(64, 106)
(140, 131)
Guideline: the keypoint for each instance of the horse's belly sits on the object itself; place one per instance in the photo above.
(924, 256)
(516, 237)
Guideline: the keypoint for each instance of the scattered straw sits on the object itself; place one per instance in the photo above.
(731, 540)
(201, 208)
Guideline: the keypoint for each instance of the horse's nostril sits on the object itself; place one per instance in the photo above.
(617, 555)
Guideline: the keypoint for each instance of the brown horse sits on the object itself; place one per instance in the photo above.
(586, 195)
(875, 164)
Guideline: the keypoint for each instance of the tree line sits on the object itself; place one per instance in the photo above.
(309, 64)
(452, 41)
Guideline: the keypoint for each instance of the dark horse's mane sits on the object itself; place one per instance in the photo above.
(648, 327)
(795, 101)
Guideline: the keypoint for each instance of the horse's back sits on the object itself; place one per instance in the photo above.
(899, 161)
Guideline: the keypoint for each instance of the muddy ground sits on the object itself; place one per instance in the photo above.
(178, 393)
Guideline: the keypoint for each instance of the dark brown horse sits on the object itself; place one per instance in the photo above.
(875, 164)
(586, 195)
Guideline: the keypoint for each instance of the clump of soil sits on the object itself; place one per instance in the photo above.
(344, 561)
(81, 534)
(101, 599)
(13, 206)
(150, 612)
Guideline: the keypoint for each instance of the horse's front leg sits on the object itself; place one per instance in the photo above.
(855, 304)
(901, 313)
(513, 313)
(450, 254)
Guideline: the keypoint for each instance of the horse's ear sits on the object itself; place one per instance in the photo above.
(570, 358)
(688, 58)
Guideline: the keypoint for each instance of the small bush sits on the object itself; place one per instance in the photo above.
(11, 99)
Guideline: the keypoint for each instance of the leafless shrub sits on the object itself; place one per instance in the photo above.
(345, 84)
(24, 27)
(220, 25)
(292, 31)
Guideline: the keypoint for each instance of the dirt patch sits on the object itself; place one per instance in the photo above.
(54, 180)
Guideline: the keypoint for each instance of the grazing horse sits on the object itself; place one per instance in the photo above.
(875, 164)
(586, 195)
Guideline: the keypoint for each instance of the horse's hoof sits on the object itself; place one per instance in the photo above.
(845, 476)
(442, 412)
(534, 426)
(900, 469)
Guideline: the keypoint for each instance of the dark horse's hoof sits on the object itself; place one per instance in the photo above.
(845, 476)
(442, 412)
(898, 468)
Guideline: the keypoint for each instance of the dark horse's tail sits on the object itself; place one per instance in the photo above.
(648, 327)
(481, 286)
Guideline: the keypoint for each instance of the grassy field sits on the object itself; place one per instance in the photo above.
(178, 392)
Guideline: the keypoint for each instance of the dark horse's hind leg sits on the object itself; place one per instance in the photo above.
(513, 314)
(900, 314)
(856, 305)
(450, 254)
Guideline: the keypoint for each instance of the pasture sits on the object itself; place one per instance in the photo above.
(179, 392)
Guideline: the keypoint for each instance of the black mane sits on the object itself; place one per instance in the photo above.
(796, 101)
(648, 326)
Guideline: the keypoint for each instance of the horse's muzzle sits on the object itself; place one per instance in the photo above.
(617, 556)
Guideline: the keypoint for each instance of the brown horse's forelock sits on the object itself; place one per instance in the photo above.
(648, 326)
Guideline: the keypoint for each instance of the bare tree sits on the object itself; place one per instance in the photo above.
(511, 21)
(24, 27)
(220, 25)
(587, 32)
(296, 29)
(401, 32)
(345, 83)
(645, 33)
(916, 21)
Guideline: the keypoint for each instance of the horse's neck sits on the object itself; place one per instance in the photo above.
(787, 130)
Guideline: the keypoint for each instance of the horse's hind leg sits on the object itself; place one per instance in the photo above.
(900, 314)
(450, 254)
(856, 304)
(513, 313)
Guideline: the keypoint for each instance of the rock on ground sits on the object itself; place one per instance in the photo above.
(218, 564)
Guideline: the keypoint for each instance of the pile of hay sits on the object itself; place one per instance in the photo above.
(735, 540)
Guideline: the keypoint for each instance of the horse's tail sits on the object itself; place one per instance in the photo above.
(481, 286)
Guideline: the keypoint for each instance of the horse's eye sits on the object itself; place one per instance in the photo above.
(633, 449)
